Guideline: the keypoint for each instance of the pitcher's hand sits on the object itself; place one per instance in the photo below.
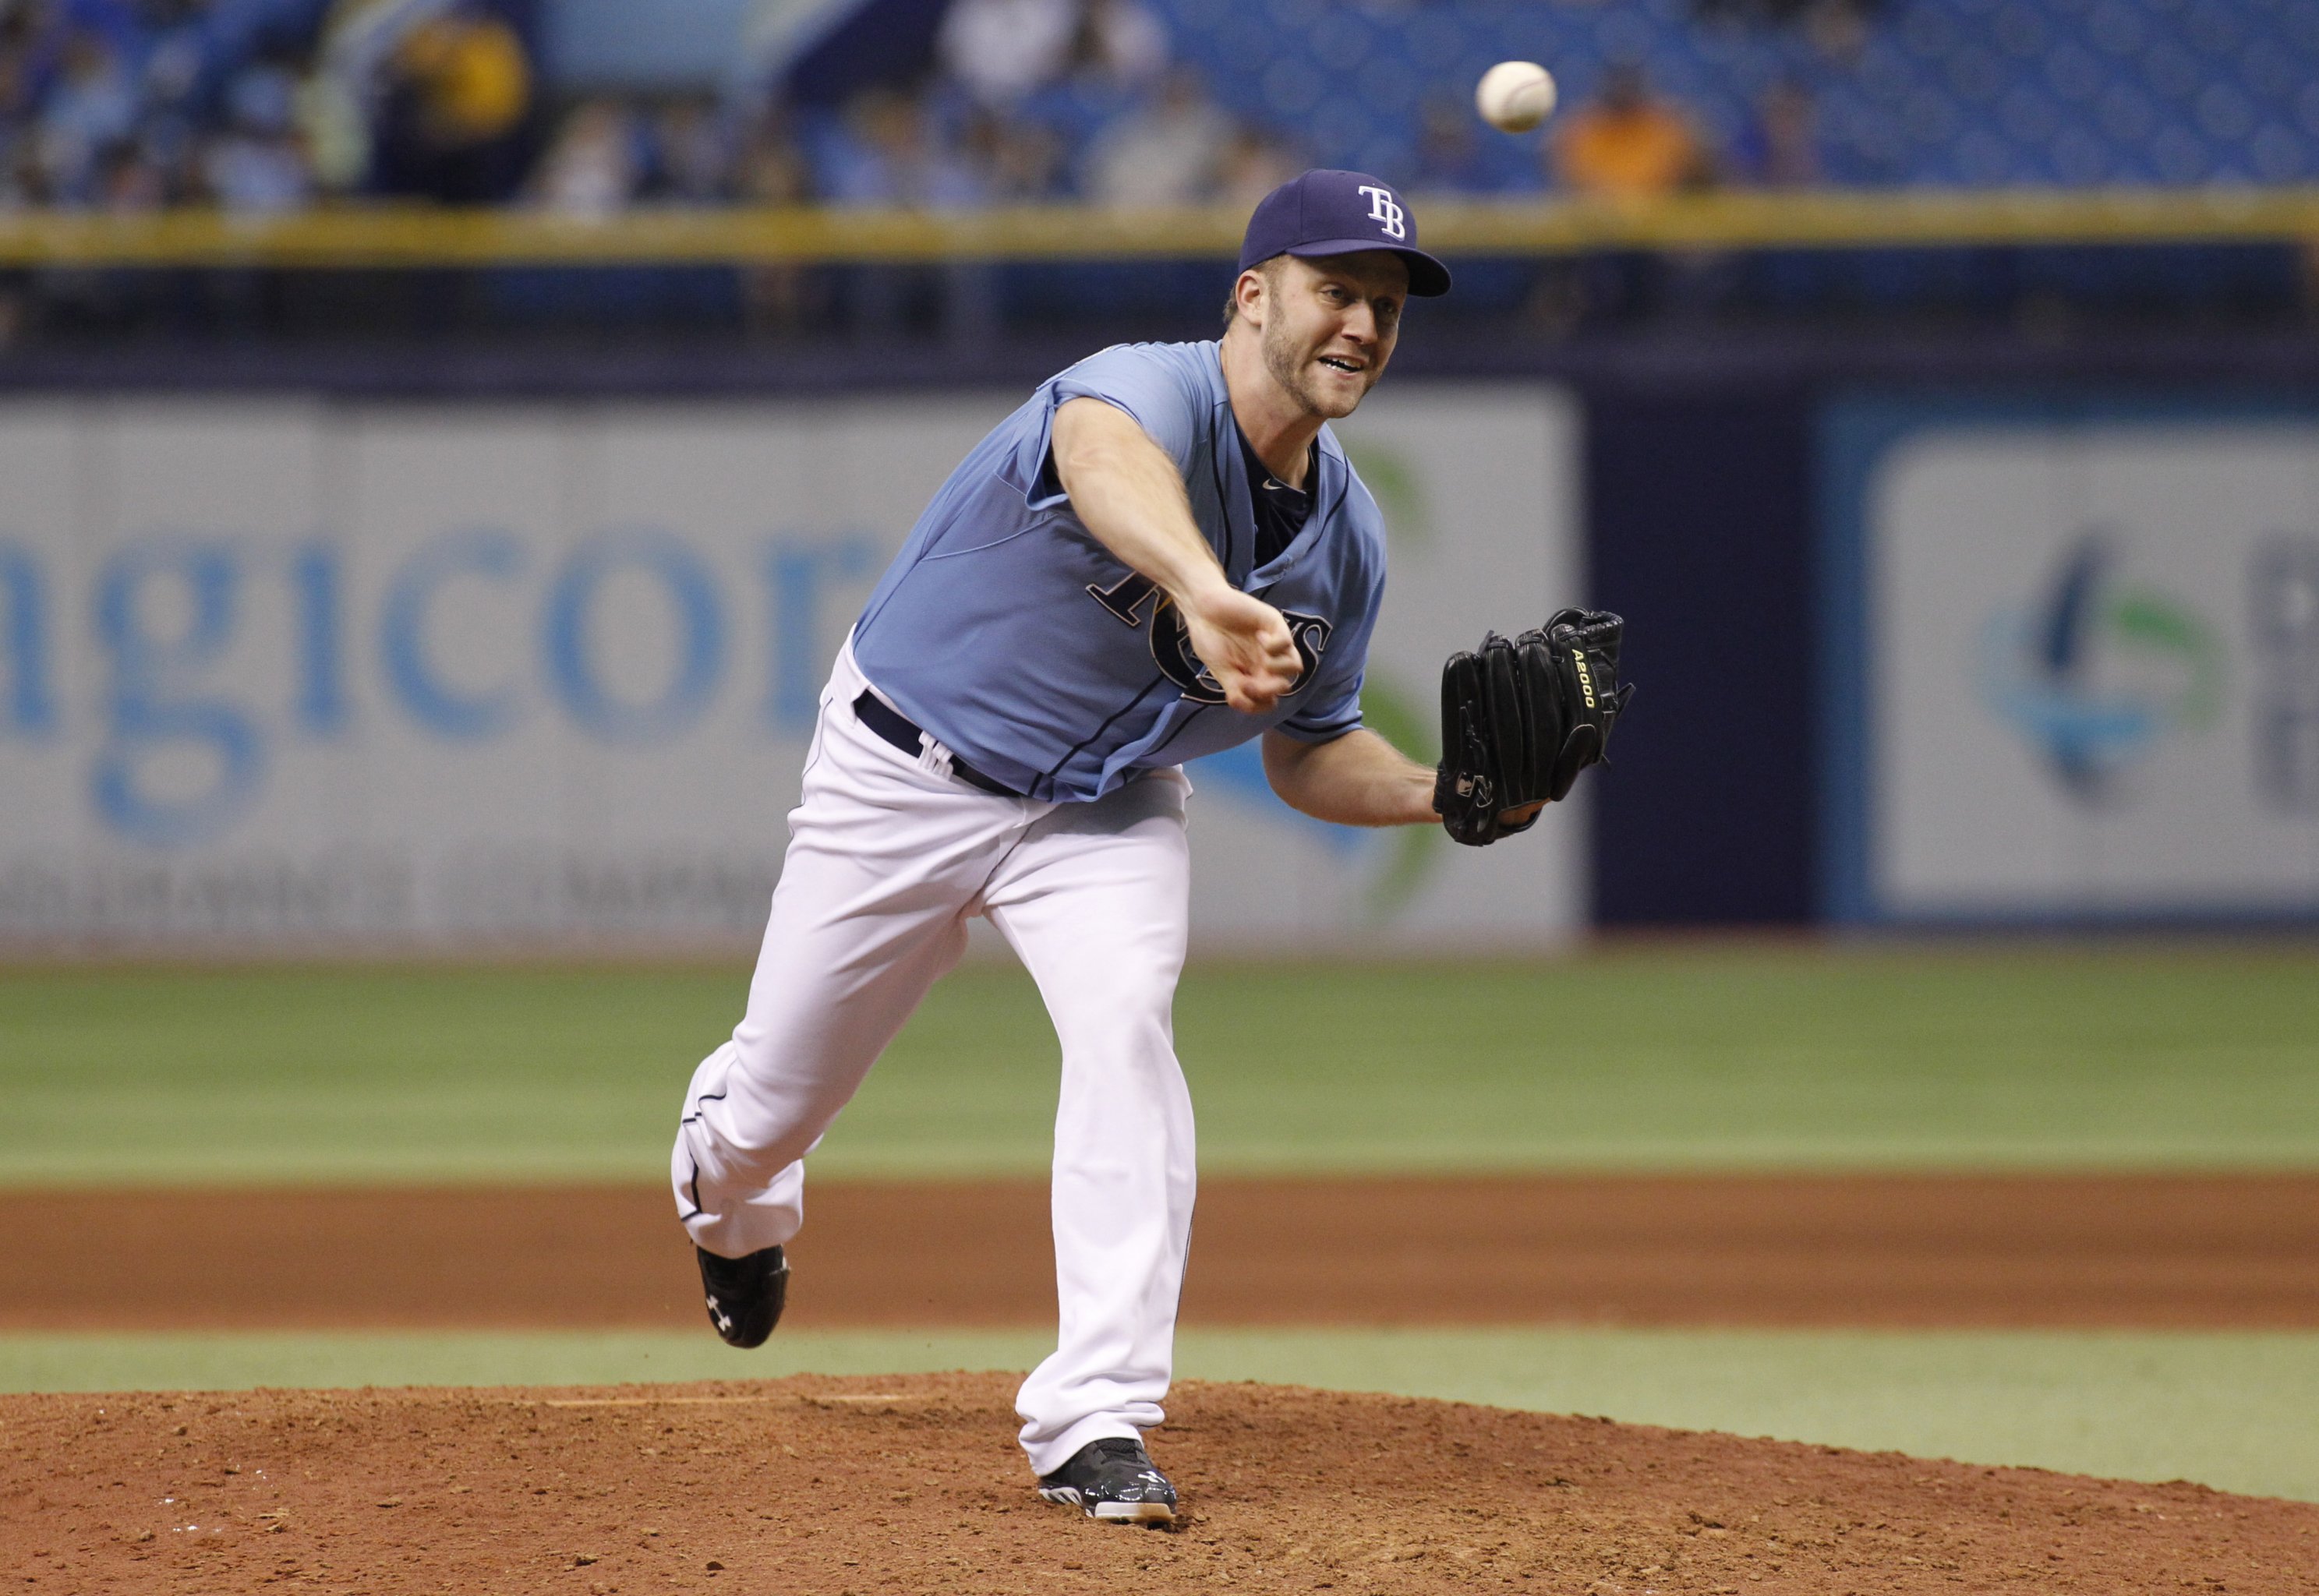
(1244, 643)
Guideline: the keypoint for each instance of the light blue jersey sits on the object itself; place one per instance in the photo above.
(1014, 637)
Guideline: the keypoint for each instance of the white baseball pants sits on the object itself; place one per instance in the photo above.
(888, 858)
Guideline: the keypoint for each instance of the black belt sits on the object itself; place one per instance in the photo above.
(903, 733)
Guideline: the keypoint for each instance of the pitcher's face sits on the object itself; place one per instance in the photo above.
(1329, 325)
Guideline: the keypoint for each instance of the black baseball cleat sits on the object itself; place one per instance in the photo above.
(1113, 1480)
(745, 1294)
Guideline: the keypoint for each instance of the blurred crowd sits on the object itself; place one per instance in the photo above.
(1027, 100)
(261, 105)
(272, 105)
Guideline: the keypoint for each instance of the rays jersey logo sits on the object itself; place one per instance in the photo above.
(1171, 639)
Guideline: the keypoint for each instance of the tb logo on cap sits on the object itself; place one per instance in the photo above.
(1387, 212)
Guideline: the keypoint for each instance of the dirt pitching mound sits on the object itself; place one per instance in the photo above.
(912, 1484)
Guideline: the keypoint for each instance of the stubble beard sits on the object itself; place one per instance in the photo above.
(1280, 359)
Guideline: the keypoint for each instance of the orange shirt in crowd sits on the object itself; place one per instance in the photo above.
(1632, 152)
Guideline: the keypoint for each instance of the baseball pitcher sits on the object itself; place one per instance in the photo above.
(1162, 553)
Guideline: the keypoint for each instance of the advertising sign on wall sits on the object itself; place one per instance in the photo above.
(2074, 663)
(301, 673)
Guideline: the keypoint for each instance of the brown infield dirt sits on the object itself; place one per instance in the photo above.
(911, 1483)
(2181, 1251)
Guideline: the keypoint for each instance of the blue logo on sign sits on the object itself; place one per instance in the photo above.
(2100, 670)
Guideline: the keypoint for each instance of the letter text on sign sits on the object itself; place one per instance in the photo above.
(404, 634)
(138, 783)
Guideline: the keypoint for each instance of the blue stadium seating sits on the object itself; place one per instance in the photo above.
(1960, 93)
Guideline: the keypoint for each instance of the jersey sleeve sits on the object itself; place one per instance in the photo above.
(1149, 383)
(1324, 720)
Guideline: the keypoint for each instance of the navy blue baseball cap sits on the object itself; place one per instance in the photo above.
(1331, 212)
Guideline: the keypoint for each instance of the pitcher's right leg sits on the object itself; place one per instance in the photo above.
(884, 859)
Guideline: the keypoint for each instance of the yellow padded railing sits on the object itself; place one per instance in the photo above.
(360, 237)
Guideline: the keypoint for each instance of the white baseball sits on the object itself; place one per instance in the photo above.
(1515, 96)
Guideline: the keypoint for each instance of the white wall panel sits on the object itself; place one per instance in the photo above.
(302, 674)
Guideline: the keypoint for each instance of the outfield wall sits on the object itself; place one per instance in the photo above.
(291, 672)
(1972, 645)
(1719, 513)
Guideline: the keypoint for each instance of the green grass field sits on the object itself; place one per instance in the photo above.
(2020, 1057)
(1966, 1056)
